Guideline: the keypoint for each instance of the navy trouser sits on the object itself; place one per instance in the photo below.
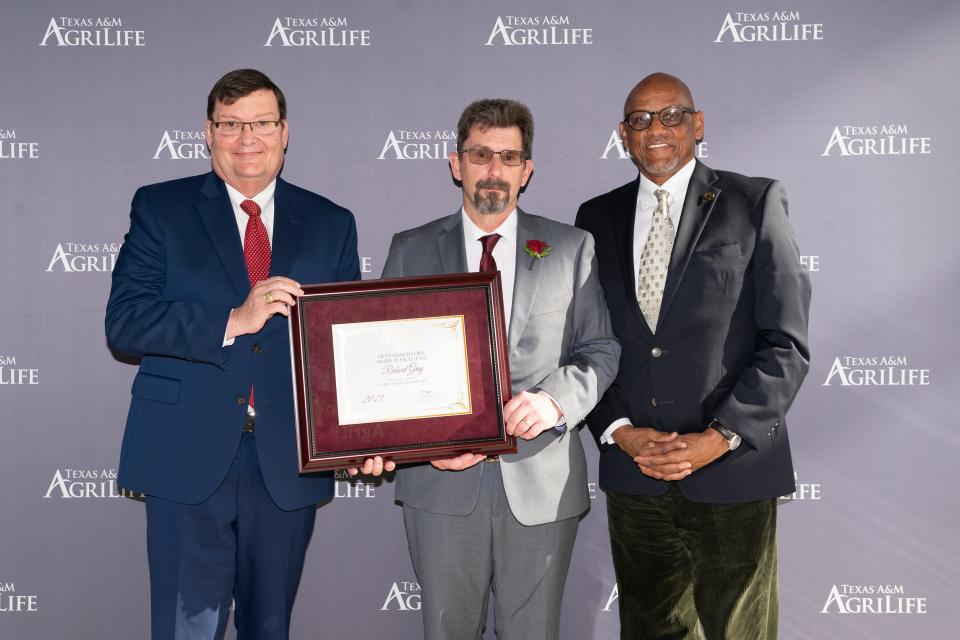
(237, 544)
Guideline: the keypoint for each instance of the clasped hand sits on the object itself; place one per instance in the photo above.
(669, 456)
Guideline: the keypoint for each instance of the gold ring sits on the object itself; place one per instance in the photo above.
(268, 297)
(526, 420)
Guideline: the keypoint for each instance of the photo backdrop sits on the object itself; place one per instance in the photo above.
(846, 103)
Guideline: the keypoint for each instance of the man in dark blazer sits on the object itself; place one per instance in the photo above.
(710, 304)
(202, 289)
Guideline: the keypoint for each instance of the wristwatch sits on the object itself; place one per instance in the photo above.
(733, 440)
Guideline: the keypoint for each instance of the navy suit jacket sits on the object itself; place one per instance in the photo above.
(731, 339)
(180, 271)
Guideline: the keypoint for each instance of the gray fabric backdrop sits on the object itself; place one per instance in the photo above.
(844, 102)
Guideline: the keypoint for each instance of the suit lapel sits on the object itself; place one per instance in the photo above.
(450, 249)
(526, 277)
(624, 222)
(287, 230)
(221, 225)
(696, 211)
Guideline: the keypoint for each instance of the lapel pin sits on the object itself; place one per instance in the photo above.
(709, 196)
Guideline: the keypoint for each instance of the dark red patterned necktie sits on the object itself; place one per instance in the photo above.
(256, 249)
(487, 263)
(256, 244)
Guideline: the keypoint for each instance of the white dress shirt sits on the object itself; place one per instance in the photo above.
(646, 204)
(504, 253)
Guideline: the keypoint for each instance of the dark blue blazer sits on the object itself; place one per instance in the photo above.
(180, 271)
(731, 339)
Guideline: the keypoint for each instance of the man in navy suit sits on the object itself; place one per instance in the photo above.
(710, 304)
(201, 291)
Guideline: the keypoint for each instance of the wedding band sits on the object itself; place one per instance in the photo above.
(268, 297)
(526, 420)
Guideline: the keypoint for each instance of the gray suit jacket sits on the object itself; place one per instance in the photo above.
(560, 341)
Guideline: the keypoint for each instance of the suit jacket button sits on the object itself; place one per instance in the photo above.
(656, 352)
(241, 400)
(653, 401)
(256, 348)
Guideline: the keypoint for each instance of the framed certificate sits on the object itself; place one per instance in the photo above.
(407, 368)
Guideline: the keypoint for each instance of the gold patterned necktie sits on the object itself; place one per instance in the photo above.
(654, 260)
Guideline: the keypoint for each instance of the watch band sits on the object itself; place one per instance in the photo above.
(733, 440)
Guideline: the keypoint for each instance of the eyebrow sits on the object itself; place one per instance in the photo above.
(262, 116)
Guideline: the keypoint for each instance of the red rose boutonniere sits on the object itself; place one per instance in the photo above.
(538, 250)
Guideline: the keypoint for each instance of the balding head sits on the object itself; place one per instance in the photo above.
(659, 82)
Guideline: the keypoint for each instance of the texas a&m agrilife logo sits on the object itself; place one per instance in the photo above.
(404, 595)
(75, 257)
(13, 149)
(13, 602)
(767, 26)
(290, 31)
(875, 140)
(86, 483)
(104, 31)
(423, 144)
(872, 599)
(182, 144)
(803, 491)
(537, 31)
(875, 371)
(12, 374)
(347, 486)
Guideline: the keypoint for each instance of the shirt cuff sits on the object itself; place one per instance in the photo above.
(607, 436)
(561, 425)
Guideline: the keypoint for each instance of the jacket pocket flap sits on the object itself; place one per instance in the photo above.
(725, 251)
(158, 388)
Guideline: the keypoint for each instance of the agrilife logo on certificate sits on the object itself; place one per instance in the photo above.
(401, 369)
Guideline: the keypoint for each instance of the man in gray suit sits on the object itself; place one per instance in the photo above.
(509, 523)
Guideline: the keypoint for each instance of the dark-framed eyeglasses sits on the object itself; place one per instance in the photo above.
(669, 117)
(235, 127)
(483, 155)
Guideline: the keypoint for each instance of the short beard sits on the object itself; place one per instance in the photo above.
(493, 202)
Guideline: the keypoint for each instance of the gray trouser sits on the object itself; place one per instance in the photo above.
(459, 558)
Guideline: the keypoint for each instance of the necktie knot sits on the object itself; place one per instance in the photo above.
(250, 208)
(487, 263)
(663, 199)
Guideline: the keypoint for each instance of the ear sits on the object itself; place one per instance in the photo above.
(454, 158)
(208, 132)
(527, 170)
(284, 134)
(698, 126)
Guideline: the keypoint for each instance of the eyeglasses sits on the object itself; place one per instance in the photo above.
(669, 117)
(483, 155)
(235, 127)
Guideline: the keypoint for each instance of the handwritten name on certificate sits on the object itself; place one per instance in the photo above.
(401, 369)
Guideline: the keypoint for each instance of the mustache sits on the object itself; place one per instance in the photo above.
(494, 183)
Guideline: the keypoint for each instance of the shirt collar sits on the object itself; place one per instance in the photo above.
(676, 185)
(507, 228)
(263, 198)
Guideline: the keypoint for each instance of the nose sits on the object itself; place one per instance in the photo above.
(247, 136)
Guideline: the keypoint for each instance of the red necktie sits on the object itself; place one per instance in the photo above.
(487, 263)
(256, 249)
(256, 244)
